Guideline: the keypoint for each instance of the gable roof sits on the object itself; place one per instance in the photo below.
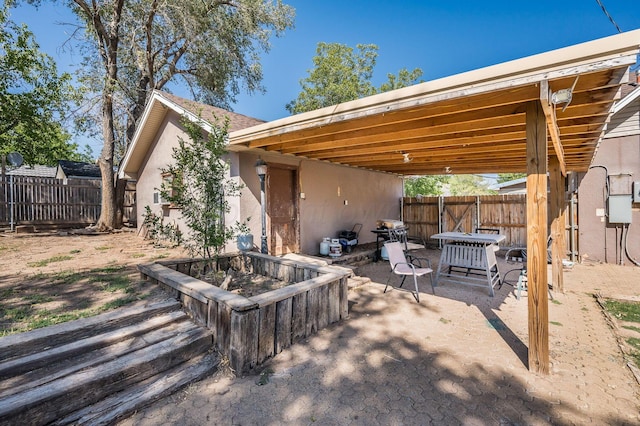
(79, 169)
(474, 122)
(154, 114)
(512, 186)
(207, 112)
(33, 171)
(635, 94)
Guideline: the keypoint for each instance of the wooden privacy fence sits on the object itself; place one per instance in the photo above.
(41, 201)
(426, 216)
(28, 200)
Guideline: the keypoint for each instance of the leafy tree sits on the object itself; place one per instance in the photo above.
(506, 177)
(341, 74)
(200, 187)
(132, 48)
(468, 185)
(425, 185)
(33, 98)
(403, 79)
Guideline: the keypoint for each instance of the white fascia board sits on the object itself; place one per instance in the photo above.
(626, 100)
(157, 97)
(614, 51)
(136, 135)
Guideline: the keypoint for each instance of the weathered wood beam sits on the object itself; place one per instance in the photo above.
(402, 131)
(556, 207)
(447, 141)
(416, 96)
(438, 108)
(537, 239)
(552, 125)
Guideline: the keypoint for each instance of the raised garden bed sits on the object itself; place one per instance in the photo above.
(250, 330)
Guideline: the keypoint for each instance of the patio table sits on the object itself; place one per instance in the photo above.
(469, 259)
(382, 235)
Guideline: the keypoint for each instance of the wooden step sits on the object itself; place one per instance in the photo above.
(20, 382)
(357, 281)
(61, 397)
(125, 403)
(18, 365)
(44, 338)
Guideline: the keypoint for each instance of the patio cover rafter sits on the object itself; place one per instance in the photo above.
(476, 113)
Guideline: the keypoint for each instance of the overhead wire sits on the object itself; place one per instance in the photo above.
(604, 9)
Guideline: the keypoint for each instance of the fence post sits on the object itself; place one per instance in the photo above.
(478, 222)
(440, 218)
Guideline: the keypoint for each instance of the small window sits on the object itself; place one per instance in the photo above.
(171, 184)
(157, 199)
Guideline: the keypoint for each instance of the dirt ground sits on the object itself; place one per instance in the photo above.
(44, 275)
(53, 277)
(46, 278)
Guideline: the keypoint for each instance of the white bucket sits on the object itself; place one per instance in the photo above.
(384, 253)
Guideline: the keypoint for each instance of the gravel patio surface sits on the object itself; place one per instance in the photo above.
(457, 357)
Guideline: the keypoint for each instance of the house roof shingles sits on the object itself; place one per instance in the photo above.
(78, 169)
(33, 171)
(210, 113)
(154, 114)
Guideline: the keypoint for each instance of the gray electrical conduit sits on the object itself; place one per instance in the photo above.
(625, 230)
(626, 247)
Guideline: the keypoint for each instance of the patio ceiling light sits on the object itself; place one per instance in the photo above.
(564, 96)
(406, 157)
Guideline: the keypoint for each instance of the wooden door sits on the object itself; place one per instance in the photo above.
(282, 209)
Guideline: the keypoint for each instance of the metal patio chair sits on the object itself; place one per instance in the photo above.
(519, 255)
(409, 242)
(407, 265)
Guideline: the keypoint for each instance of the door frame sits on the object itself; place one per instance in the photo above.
(295, 199)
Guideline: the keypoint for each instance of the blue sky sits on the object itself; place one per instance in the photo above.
(440, 37)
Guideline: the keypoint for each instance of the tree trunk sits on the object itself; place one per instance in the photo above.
(108, 38)
(121, 186)
(107, 220)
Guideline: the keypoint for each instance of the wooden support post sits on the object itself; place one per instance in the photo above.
(557, 207)
(537, 239)
(564, 225)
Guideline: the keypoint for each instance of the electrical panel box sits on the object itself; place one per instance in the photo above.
(636, 192)
(620, 184)
(619, 208)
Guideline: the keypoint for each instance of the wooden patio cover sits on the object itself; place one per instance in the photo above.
(473, 122)
(510, 117)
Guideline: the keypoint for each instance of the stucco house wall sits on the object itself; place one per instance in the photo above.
(335, 197)
(619, 153)
(149, 179)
